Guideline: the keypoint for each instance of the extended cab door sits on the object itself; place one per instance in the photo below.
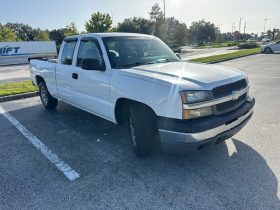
(91, 87)
(65, 70)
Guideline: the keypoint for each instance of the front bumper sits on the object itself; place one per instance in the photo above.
(193, 134)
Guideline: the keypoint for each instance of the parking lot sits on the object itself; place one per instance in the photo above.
(14, 73)
(242, 173)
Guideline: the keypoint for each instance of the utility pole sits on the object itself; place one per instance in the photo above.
(164, 9)
(273, 34)
(265, 20)
(240, 20)
(245, 26)
(112, 17)
(232, 27)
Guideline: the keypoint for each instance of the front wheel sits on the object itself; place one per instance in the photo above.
(142, 129)
(268, 50)
(47, 100)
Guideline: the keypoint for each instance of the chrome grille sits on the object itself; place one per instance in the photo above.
(230, 105)
(227, 89)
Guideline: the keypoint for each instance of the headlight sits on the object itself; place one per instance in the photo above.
(190, 97)
(196, 113)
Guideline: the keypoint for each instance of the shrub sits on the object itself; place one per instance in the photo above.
(231, 44)
(248, 45)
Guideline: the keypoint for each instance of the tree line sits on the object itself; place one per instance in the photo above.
(170, 30)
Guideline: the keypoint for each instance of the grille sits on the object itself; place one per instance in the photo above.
(227, 89)
(230, 105)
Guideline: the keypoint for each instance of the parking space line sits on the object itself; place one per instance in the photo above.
(50, 155)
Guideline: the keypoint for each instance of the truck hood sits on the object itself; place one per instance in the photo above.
(190, 75)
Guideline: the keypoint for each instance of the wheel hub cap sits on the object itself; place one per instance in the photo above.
(44, 95)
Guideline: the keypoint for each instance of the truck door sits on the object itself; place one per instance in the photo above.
(65, 70)
(91, 85)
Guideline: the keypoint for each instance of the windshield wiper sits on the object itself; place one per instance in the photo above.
(166, 60)
(136, 64)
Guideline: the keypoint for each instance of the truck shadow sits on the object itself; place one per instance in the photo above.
(99, 150)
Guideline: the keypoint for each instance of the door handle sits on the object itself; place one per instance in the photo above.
(75, 76)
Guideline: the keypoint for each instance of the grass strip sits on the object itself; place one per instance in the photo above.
(226, 56)
(213, 46)
(17, 88)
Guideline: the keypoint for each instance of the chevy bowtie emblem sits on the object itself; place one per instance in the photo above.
(235, 95)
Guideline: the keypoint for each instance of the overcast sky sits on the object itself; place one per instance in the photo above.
(52, 14)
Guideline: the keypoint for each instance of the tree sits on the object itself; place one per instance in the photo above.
(180, 35)
(7, 35)
(277, 37)
(42, 36)
(24, 32)
(71, 30)
(136, 25)
(99, 22)
(57, 35)
(156, 15)
(202, 32)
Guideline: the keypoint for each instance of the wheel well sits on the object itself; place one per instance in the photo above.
(122, 106)
(268, 48)
(39, 79)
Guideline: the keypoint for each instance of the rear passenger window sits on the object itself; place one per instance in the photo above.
(68, 52)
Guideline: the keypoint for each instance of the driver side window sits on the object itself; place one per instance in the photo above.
(89, 49)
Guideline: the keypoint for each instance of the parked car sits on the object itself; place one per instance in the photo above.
(271, 48)
(251, 40)
(137, 79)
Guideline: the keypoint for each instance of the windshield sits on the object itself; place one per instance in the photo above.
(127, 52)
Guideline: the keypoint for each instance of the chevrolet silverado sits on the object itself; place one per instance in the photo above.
(137, 79)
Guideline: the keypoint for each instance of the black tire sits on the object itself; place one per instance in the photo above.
(142, 129)
(47, 100)
(267, 50)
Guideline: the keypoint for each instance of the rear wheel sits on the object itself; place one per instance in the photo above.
(142, 129)
(268, 50)
(47, 100)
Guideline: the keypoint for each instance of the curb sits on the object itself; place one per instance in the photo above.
(17, 96)
(228, 59)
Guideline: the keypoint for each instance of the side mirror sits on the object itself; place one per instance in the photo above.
(92, 64)
(178, 55)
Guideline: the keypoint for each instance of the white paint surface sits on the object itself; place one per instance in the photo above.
(231, 147)
(50, 155)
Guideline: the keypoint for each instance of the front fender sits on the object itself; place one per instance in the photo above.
(165, 101)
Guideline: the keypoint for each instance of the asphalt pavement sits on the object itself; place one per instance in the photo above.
(14, 73)
(242, 173)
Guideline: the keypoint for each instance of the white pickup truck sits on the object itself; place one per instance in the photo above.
(137, 79)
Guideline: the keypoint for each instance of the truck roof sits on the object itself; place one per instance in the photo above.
(113, 34)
